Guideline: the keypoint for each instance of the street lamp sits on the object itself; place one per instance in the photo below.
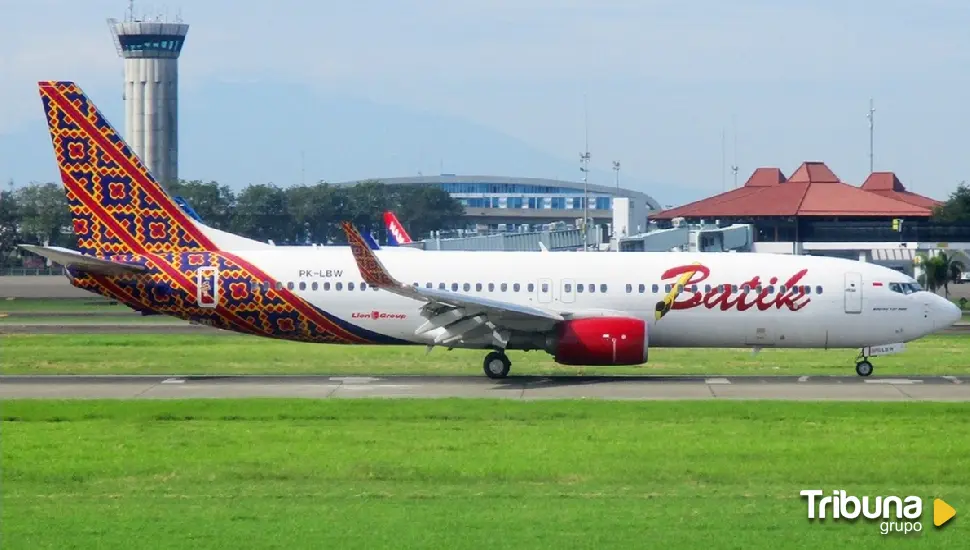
(584, 168)
(616, 168)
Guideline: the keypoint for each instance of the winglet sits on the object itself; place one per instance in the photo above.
(371, 268)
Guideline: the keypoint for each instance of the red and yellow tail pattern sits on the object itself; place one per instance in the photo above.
(116, 205)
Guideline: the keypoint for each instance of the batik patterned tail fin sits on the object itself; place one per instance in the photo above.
(116, 205)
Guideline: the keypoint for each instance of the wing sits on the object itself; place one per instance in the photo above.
(73, 259)
(462, 316)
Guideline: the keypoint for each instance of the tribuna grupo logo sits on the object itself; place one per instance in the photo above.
(898, 514)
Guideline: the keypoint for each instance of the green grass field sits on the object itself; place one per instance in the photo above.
(470, 474)
(232, 354)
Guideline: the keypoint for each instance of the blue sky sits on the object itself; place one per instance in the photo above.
(378, 88)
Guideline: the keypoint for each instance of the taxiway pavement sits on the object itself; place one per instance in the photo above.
(797, 388)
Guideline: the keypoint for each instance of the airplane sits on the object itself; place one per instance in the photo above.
(137, 246)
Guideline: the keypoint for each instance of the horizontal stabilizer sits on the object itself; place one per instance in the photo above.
(75, 260)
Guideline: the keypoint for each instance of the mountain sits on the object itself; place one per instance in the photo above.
(241, 133)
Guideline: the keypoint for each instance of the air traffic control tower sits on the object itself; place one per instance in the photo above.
(151, 50)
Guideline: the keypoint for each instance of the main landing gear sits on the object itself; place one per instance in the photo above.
(863, 367)
(497, 365)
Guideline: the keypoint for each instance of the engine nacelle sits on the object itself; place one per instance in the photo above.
(600, 341)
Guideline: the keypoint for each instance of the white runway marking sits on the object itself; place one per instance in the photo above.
(717, 381)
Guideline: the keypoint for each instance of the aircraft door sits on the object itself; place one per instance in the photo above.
(544, 290)
(207, 285)
(567, 291)
(853, 293)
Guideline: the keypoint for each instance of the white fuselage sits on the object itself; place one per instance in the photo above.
(842, 308)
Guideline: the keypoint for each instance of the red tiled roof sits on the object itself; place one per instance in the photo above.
(765, 177)
(888, 185)
(812, 190)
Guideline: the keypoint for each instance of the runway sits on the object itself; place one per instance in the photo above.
(183, 327)
(792, 388)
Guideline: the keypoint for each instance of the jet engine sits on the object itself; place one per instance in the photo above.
(599, 341)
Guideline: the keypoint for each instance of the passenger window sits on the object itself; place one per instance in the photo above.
(771, 289)
(350, 286)
(579, 288)
(532, 287)
(760, 288)
(818, 289)
(441, 286)
(592, 288)
(642, 288)
(363, 286)
(454, 287)
(466, 287)
(680, 288)
(807, 289)
(545, 287)
(667, 288)
(289, 285)
(279, 285)
(302, 285)
(491, 287)
(314, 286)
(655, 288)
(478, 287)
(629, 289)
(734, 288)
(504, 287)
(707, 288)
(720, 288)
(781, 289)
(339, 286)
(515, 287)
(603, 288)
(326, 286)
(568, 287)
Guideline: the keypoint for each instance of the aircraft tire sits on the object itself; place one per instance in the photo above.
(496, 365)
(863, 368)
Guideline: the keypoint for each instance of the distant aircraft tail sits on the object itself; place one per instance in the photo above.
(396, 235)
(117, 206)
(369, 239)
(184, 205)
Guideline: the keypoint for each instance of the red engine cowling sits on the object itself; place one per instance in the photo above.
(601, 341)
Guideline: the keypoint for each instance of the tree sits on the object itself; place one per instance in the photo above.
(44, 214)
(939, 271)
(9, 216)
(262, 214)
(315, 210)
(425, 208)
(956, 208)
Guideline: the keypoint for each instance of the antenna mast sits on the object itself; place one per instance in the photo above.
(871, 117)
(734, 165)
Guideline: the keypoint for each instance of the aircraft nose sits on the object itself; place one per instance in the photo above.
(947, 313)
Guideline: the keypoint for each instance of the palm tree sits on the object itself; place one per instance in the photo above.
(940, 270)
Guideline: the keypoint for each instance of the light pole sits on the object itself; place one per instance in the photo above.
(584, 168)
(616, 168)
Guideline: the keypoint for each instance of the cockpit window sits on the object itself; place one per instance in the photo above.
(905, 288)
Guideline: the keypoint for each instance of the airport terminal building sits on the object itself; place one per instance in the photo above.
(499, 203)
